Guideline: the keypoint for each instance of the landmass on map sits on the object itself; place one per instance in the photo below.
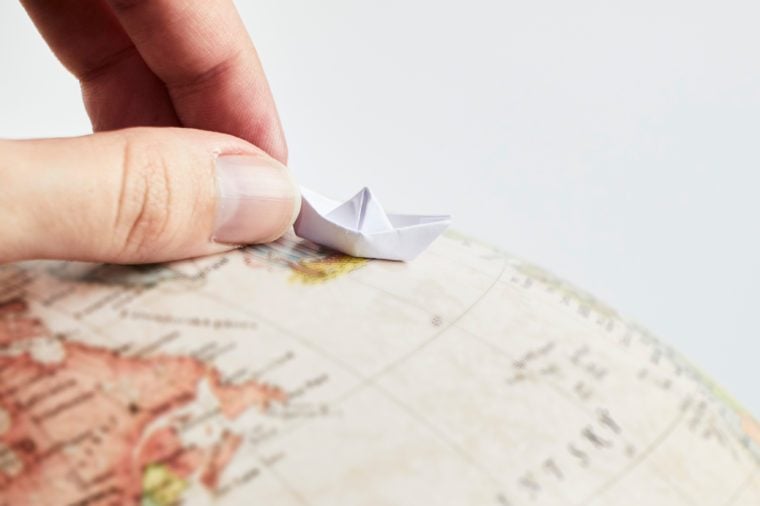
(131, 449)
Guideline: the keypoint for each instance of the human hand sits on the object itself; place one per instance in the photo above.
(131, 195)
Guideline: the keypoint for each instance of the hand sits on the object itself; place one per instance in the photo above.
(149, 194)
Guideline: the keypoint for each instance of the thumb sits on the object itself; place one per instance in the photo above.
(139, 195)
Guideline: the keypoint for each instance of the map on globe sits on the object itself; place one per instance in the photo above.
(287, 374)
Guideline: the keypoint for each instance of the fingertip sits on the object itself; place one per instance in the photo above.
(258, 199)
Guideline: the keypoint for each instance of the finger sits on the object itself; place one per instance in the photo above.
(139, 195)
(118, 88)
(200, 49)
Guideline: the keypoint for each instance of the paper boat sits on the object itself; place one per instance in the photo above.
(360, 227)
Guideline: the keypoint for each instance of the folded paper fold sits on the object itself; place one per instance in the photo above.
(361, 227)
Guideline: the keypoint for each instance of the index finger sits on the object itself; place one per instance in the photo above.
(201, 50)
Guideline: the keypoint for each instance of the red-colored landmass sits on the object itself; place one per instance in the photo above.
(165, 446)
(77, 428)
(219, 456)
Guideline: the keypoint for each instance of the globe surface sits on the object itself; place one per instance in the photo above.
(287, 374)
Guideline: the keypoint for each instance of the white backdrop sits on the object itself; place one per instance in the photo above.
(614, 143)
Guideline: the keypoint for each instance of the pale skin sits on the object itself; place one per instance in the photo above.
(187, 74)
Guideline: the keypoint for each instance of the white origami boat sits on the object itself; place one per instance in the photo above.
(360, 227)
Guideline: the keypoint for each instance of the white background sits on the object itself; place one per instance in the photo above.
(613, 142)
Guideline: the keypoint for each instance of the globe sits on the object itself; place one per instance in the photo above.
(288, 374)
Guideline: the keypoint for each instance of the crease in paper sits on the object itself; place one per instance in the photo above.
(360, 226)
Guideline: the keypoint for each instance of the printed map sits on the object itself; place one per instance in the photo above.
(290, 375)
